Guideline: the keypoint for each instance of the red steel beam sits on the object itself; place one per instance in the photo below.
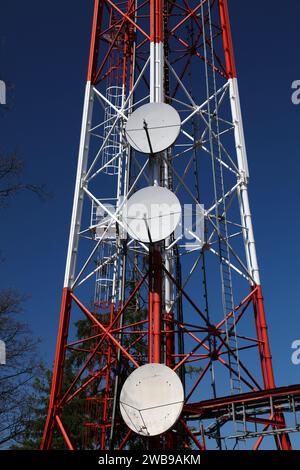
(105, 330)
(56, 385)
(64, 433)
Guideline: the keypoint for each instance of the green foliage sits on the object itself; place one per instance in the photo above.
(72, 416)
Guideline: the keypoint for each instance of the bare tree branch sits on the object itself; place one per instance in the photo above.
(20, 370)
(11, 181)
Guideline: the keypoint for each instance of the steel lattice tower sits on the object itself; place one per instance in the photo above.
(193, 304)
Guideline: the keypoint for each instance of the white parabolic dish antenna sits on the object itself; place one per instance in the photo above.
(151, 399)
(163, 125)
(151, 214)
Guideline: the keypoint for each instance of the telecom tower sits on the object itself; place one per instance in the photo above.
(176, 354)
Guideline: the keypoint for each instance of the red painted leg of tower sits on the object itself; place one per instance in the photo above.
(155, 288)
(266, 364)
(150, 320)
(170, 340)
(65, 310)
(261, 325)
(107, 392)
(57, 378)
(171, 438)
(267, 367)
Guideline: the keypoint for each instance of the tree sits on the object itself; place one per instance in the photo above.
(11, 179)
(22, 367)
(16, 375)
(31, 437)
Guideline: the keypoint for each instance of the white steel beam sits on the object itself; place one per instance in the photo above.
(79, 194)
(245, 212)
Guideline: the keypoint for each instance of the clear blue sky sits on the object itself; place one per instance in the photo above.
(43, 53)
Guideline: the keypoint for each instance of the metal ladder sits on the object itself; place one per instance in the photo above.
(220, 209)
(111, 151)
(221, 223)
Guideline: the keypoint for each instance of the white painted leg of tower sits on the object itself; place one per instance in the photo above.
(79, 194)
(246, 217)
(156, 72)
(157, 96)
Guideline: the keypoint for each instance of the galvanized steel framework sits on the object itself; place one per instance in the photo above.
(195, 305)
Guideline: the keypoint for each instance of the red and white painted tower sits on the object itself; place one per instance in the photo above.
(191, 300)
